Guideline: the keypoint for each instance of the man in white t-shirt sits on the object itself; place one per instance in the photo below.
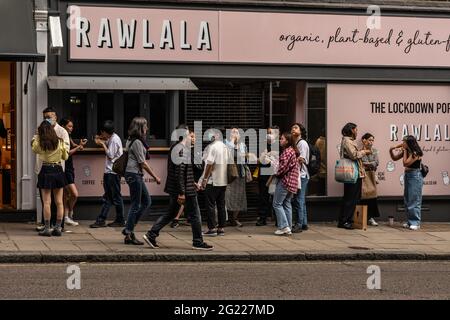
(111, 144)
(214, 181)
(298, 131)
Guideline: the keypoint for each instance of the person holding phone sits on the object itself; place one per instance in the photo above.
(70, 191)
(411, 154)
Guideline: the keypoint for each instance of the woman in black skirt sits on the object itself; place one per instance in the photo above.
(51, 151)
(70, 191)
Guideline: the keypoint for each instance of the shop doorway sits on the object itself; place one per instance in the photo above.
(7, 136)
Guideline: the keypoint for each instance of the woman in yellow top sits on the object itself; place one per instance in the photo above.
(51, 151)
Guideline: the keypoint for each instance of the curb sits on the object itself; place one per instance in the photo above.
(111, 257)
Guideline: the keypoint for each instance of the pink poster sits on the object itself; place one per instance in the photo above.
(389, 112)
(89, 171)
(139, 34)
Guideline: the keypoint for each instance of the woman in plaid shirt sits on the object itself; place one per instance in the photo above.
(287, 174)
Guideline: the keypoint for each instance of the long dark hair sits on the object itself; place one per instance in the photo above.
(48, 140)
(413, 146)
(291, 142)
(303, 132)
(347, 130)
(367, 136)
(64, 122)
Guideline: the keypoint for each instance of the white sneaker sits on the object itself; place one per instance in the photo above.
(70, 222)
(406, 225)
(280, 232)
(415, 228)
(372, 222)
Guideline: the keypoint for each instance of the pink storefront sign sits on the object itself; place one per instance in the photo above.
(136, 34)
(390, 112)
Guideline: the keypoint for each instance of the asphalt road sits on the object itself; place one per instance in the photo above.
(233, 280)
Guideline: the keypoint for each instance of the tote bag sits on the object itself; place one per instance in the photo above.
(346, 170)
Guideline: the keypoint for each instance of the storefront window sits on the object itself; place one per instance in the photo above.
(158, 119)
(316, 98)
(131, 109)
(105, 108)
(75, 108)
(120, 107)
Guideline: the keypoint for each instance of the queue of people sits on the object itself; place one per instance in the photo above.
(283, 175)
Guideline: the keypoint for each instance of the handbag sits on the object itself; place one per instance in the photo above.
(120, 165)
(369, 186)
(346, 170)
(424, 169)
(248, 174)
(232, 172)
(272, 184)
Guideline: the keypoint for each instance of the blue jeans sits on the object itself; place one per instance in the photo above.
(413, 196)
(282, 206)
(140, 200)
(112, 196)
(299, 203)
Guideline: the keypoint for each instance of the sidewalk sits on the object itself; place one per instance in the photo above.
(19, 243)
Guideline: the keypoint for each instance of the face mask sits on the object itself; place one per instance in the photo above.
(210, 136)
(51, 121)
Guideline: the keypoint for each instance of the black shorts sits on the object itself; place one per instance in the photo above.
(51, 177)
(70, 176)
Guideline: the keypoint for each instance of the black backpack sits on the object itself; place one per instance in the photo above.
(314, 159)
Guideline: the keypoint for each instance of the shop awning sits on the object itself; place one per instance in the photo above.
(17, 32)
(120, 83)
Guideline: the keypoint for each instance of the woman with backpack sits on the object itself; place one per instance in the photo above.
(412, 154)
(298, 132)
(134, 176)
(287, 175)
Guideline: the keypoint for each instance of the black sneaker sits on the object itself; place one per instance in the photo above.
(305, 227)
(174, 224)
(46, 232)
(150, 241)
(210, 233)
(116, 224)
(57, 232)
(296, 229)
(204, 246)
(40, 228)
(220, 232)
(98, 224)
(261, 222)
(131, 239)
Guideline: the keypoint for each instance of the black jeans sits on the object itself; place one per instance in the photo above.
(215, 196)
(352, 195)
(192, 212)
(112, 196)
(265, 201)
(53, 211)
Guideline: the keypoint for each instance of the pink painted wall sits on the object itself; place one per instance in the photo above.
(352, 103)
(89, 175)
(254, 37)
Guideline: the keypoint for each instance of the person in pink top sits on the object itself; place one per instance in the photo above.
(287, 175)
